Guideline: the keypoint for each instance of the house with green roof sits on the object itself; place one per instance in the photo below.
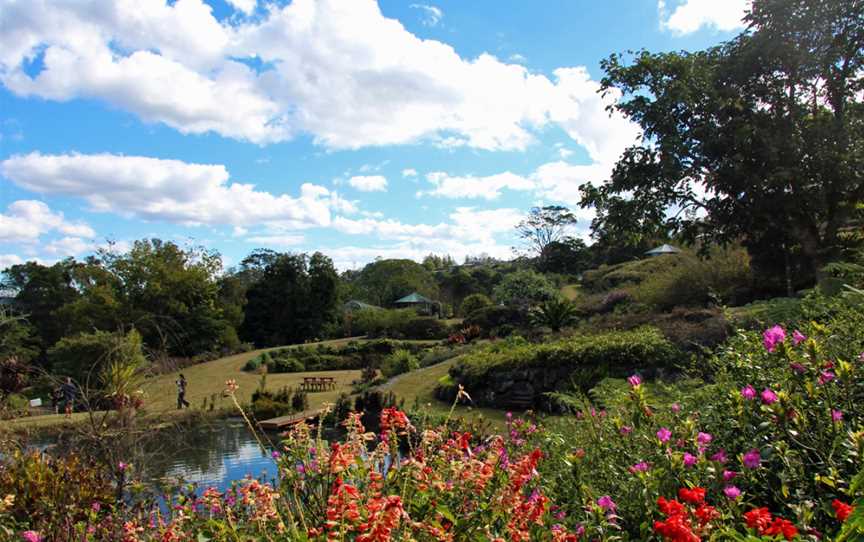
(421, 303)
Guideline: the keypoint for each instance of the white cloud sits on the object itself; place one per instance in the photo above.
(369, 183)
(517, 58)
(409, 172)
(27, 220)
(691, 15)
(432, 15)
(167, 190)
(8, 260)
(69, 246)
(471, 187)
(337, 70)
(246, 6)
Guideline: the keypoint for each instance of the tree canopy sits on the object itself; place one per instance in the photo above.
(758, 139)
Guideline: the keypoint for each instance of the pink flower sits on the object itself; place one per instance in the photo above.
(798, 368)
(719, 457)
(729, 475)
(704, 439)
(861, 356)
(731, 492)
(275, 454)
(689, 459)
(606, 503)
(664, 434)
(122, 466)
(748, 392)
(625, 430)
(836, 416)
(31, 536)
(826, 377)
(798, 337)
(676, 408)
(768, 396)
(771, 337)
(640, 467)
(752, 459)
(634, 381)
(96, 506)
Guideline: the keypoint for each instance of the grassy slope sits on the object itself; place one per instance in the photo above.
(570, 291)
(419, 386)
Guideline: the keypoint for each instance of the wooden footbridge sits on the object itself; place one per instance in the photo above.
(284, 422)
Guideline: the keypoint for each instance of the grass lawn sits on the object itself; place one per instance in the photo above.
(419, 386)
(207, 379)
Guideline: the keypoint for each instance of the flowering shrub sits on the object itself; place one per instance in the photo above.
(768, 451)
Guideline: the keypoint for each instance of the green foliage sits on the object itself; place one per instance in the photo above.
(396, 324)
(384, 281)
(776, 155)
(524, 288)
(568, 256)
(85, 356)
(400, 361)
(292, 300)
(544, 226)
(474, 302)
(555, 314)
(690, 281)
(491, 320)
(604, 354)
(16, 337)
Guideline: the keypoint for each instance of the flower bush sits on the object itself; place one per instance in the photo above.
(770, 450)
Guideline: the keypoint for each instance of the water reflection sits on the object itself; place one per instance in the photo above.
(210, 455)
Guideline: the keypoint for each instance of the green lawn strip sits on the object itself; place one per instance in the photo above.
(570, 291)
(419, 386)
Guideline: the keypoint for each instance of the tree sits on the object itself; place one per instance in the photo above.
(758, 139)
(17, 338)
(40, 292)
(294, 298)
(384, 281)
(474, 302)
(568, 255)
(169, 294)
(524, 288)
(86, 356)
(545, 225)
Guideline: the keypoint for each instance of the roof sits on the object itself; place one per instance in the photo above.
(414, 298)
(663, 249)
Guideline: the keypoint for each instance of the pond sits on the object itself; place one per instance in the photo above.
(213, 455)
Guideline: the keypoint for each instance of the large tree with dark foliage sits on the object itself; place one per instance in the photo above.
(759, 139)
(293, 299)
(545, 225)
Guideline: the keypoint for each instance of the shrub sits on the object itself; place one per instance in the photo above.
(473, 303)
(554, 314)
(724, 277)
(524, 288)
(84, 355)
(489, 318)
(597, 355)
(400, 361)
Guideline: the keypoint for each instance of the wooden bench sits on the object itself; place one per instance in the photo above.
(318, 383)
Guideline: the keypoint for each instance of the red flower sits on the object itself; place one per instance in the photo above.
(706, 513)
(693, 496)
(676, 528)
(782, 526)
(670, 508)
(841, 509)
(758, 518)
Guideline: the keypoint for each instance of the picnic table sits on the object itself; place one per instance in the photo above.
(318, 383)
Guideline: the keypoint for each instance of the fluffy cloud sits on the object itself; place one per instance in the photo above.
(281, 241)
(8, 260)
(69, 246)
(246, 6)
(691, 15)
(409, 172)
(471, 187)
(168, 190)
(369, 183)
(27, 220)
(337, 70)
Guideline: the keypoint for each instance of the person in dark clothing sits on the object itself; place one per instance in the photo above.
(69, 392)
(181, 392)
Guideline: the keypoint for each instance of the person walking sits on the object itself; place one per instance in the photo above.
(181, 392)
(69, 392)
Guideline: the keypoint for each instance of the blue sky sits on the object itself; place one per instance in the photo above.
(354, 127)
